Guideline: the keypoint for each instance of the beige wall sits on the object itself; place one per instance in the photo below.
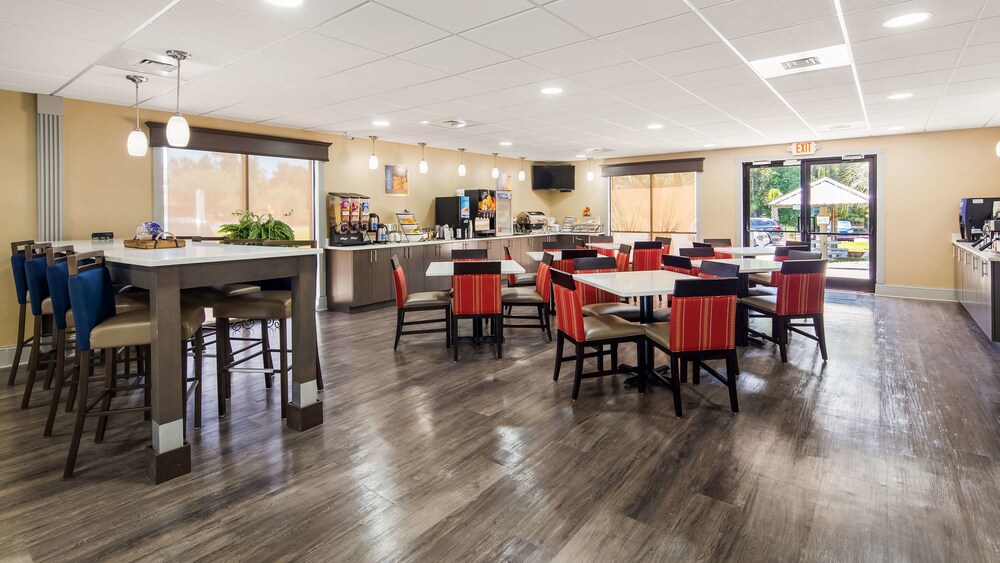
(922, 178)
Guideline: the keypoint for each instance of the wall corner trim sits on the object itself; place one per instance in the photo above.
(916, 292)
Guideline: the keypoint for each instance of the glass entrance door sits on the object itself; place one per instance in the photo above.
(768, 221)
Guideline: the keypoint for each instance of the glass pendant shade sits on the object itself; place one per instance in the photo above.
(373, 162)
(178, 132)
(423, 166)
(461, 169)
(590, 175)
(998, 148)
(496, 172)
(137, 143)
(520, 176)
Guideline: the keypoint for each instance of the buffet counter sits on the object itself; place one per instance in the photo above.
(977, 285)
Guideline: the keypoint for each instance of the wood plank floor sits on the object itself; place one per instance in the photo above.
(888, 452)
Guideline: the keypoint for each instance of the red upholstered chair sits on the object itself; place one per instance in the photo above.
(771, 279)
(517, 280)
(801, 289)
(710, 269)
(702, 327)
(555, 245)
(537, 297)
(589, 332)
(476, 295)
(565, 262)
(698, 252)
(720, 242)
(622, 263)
(648, 255)
(610, 253)
(469, 254)
(595, 302)
(666, 243)
(421, 301)
(679, 264)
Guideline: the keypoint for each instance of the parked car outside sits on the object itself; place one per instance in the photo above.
(844, 227)
(765, 232)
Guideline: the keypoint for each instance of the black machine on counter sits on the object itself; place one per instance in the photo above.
(530, 222)
(348, 218)
(973, 212)
(471, 215)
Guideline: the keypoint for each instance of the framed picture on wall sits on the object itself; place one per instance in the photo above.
(503, 183)
(396, 180)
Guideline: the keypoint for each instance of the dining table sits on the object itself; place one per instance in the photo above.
(747, 266)
(604, 245)
(440, 269)
(164, 272)
(537, 255)
(746, 250)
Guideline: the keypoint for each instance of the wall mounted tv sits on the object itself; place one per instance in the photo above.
(560, 177)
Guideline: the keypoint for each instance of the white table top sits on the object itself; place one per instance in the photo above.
(194, 253)
(746, 250)
(634, 284)
(507, 267)
(536, 256)
(604, 245)
(747, 265)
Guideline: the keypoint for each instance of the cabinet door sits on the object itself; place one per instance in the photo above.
(957, 274)
(415, 268)
(362, 270)
(382, 276)
(440, 253)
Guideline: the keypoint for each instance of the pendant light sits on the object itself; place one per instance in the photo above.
(590, 169)
(178, 132)
(998, 148)
(373, 160)
(520, 175)
(496, 171)
(137, 143)
(461, 162)
(423, 162)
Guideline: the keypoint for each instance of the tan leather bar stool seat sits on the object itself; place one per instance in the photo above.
(134, 328)
(658, 333)
(520, 295)
(608, 327)
(259, 305)
(623, 310)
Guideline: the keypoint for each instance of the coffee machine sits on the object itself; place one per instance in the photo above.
(454, 211)
(972, 213)
(348, 216)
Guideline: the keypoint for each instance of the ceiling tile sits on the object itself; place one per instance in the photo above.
(29, 82)
(219, 22)
(579, 57)
(987, 31)
(908, 44)
(406, 97)
(942, 60)
(135, 9)
(68, 19)
(335, 88)
(366, 107)
(740, 18)
(304, 16)
(793, 39)
(665, 36)
(862, 26)
(496, 99)
(814, 79)
(644, 91)
(322, 51)
(717, 77)
(979, 54)
(397, 72)
(31, 50)
(594, 17)
(451, 87)
(453, 55)
(706, 57)
(509, 74)
(380, 29)
(157, 40)
(622, 75)
(458, 15)
(519, 35)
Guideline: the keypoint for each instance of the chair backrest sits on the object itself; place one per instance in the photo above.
(569, 311)
(712, 269)
(720, 242)
(588, 293)
(781, 252)
(622, 259)
(467, 254)
(476, 288)
(697, 244)
(543, 278)
(57, 276)
(398, 281)
(804, 255)
(34, 273)
(697, 252)
(602, 238)
(90, 294)
(511, 279)
(801, 287)
(647, 256)
(666, 243)
(799, 243)
(558, 245)
(17, 260)
(703, 315)
(679, 264)
(565, 261)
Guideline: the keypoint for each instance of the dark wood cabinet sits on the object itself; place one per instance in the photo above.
(977, 286)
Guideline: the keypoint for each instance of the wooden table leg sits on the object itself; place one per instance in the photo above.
(305, 410)
(170, 455)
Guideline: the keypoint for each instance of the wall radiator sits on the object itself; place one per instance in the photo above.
(49, 125)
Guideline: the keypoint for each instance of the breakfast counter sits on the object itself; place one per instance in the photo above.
(977, 285)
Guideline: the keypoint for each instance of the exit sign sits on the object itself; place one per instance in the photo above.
(804, 147)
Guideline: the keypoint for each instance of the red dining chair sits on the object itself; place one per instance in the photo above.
(476, 296)
(666, 243)
(710, 269)
(517, 280)
(595, 302)
(720, 242)
(801, 290)
(469, 254)
(699, 252)
(554, 245)
(537, 297)
(771, 278)
(647, 255)
(565, 262)
(622, 259)
(702, 327)
(610, 253)
(590, 332)
(679, 264)
(421, 301)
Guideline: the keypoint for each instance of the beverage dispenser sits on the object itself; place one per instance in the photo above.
(344, 213)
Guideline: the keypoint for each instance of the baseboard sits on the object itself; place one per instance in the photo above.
(914, 292)
(7, 356)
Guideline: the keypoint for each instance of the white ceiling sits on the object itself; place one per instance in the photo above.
(335, 65)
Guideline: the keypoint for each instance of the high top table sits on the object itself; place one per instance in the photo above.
(746, 250)
(165, 272)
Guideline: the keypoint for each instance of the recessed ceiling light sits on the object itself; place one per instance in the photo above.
(552, 90)
(655, 126)
(380, 123)
(286, 3)
(505, 143)
(424, 122)
(897, 128)
(581, 156)
(899, 96)
(906, 20)
(708, 145)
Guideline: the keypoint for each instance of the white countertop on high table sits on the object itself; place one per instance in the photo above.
(115, 251)
(373, 246)
(983, 254)
(507, 268)
(634, 284)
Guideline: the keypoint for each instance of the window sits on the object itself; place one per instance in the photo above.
(644, 206)
(200, 190)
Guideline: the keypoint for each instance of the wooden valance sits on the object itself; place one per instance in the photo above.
(219, 140)
(654, 167)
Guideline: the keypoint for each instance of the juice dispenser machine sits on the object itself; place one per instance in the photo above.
(347, 218)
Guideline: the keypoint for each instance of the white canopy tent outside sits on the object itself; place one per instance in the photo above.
(824, 192)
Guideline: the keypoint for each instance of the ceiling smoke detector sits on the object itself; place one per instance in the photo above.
(800, 63)
(453, 124)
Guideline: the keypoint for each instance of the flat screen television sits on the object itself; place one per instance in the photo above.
(560, 177)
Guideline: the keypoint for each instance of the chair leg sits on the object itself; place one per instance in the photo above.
(820, 334)
(560, 341)
(732, 375)
(283, 363)
(546, 321)
(614, 357)
(265, 348)
(640, 355)
(36, 345)
(400, 315)
(221, 359)
(454, 335)
(447, 327)
(498, 329)
(695, 373)
(675, 385)
(600, 358)
(199, 344)
(60, 376)
(73, 381)
(319, 371)
(21, 318)
(110, 381)
(782, 338)
(577, 375)
(684, 371)
(81, 413)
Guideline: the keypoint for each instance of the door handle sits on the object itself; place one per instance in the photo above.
(983, 270)
(798, 223)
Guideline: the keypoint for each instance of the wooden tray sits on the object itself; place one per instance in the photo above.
(153, 244)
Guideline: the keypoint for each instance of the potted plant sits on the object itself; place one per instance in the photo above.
(250, 225)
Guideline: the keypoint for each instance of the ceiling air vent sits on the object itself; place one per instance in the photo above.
(839, 126)
(597, 150)
(158, 66)
(454, 124)
(800, 63)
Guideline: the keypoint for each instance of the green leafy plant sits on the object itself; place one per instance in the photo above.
(250, 225)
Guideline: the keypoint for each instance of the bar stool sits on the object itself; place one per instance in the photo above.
(476, 296)
(702, 327)
(801, 292)
(17, 260)
(537, 297)
(98, 326)
(518, 280)
(420, 301)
